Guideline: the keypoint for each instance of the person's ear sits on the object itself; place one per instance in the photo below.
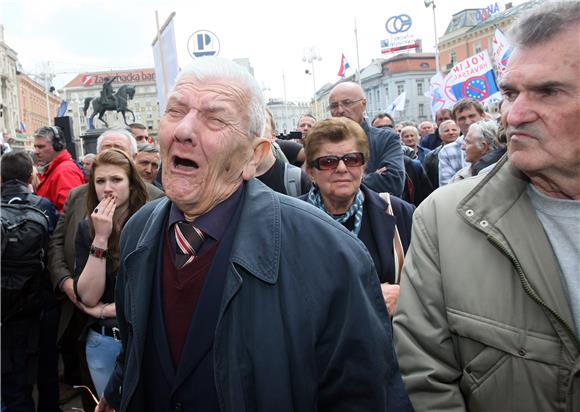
(260, 148)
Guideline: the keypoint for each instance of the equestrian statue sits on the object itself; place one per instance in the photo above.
(109, 101)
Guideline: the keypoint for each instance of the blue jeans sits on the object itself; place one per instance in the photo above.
(101, 353)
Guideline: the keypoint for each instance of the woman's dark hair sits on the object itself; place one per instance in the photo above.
(137, 196)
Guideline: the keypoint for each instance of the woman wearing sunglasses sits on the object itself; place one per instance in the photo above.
(336, 153)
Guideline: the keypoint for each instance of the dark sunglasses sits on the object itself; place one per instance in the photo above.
(331, 162)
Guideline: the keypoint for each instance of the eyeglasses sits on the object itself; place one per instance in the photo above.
(347, 104)
(331, 162)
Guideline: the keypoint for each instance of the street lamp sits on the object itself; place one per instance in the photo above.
(311, 54)
(427, 4)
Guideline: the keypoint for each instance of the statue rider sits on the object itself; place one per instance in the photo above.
(107, 95)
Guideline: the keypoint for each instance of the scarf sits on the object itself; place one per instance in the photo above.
(356, 209)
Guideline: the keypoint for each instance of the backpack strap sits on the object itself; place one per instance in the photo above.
(399, 253)
(292, 175)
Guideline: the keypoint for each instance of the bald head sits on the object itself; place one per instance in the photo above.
(347, 99)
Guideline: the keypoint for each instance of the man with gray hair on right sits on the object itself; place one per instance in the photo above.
(488, 318)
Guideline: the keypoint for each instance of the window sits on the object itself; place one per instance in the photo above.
(420, 87)
(400, 87)
(477, 47)
(453, 57)
(421, 110)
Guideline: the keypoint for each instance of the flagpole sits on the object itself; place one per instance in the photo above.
(286, 120)
(161, 56)
(357, 55)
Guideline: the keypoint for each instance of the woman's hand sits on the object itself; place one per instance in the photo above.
(390, 296)
(102, 218)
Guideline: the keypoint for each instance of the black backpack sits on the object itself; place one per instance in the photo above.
(24, 245)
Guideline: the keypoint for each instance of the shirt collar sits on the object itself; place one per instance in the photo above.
(214, 222)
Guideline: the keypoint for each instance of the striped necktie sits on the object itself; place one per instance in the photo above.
(188, 240)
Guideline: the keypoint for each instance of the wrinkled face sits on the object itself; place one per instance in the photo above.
(440, 117)
(111, 180)
(347, 100)
(88, 162)
(541, 107)
(426, 128)
(43, 150)
(409, 139)
(204, 142)
(114, 141)
(340, 184)
(141, 135)
(466, 118)
(147, 165)
(450, 133)
(473, 147)
(305, 124)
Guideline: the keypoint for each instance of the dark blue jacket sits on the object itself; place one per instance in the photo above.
(385, 151)
(17, 189)
(302, 325)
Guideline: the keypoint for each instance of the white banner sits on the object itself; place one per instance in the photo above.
(166, 69)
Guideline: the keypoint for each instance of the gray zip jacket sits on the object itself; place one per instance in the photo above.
(483, 322)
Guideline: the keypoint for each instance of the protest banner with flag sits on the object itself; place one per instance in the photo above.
(502, 50)
(165, 57)
(343, 67)
(473, 78)
(398, 104)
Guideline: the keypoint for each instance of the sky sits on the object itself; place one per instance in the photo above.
(79, 36)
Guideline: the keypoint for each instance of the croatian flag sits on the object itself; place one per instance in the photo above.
(502, 50)
(343, 66)
(473, 78)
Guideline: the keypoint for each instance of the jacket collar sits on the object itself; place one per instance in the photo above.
(63, 156)
(14, 187)
(499, 207)
(259, 230)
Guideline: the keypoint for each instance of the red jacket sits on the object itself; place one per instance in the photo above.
(61, 175)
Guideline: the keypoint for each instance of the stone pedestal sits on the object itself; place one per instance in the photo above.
(90, 140)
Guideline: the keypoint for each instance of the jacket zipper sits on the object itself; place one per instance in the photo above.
(530, 291)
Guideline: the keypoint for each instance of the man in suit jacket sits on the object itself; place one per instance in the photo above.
(231, 296)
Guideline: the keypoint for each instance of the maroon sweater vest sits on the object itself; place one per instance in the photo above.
(180, 292)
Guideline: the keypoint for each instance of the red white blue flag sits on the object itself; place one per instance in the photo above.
(343, 67)
(502, 51)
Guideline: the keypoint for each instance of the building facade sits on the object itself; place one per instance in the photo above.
(471, 31)
(385, 79)
(287, 114)
(37, 107)
(89, 85)
(8, 88)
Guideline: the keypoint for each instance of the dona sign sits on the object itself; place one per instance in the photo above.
(487, 12)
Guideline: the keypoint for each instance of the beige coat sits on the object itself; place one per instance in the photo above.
(483, 322)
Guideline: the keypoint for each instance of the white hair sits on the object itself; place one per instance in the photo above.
(128, 135)
(485, 131)
(220, 68)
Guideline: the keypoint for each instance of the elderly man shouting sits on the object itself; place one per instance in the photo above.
(232, 297)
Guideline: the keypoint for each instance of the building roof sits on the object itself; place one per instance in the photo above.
(466, 21)
(89, 79)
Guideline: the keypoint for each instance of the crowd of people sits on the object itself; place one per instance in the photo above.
(369, 265)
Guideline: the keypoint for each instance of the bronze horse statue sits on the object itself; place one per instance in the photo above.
(122, 96)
